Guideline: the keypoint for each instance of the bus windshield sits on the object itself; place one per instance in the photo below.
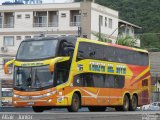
(38, 49)
(33, 78)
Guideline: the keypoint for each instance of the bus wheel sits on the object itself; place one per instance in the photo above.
(37, 109)
(97, 109)
(133, 103)
(125, 106)
(75, 105)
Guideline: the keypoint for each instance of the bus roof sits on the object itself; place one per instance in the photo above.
(74, 39)
(67, 38)
(113, 45)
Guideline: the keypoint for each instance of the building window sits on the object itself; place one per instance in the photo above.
(105, 21)
(0, 21)
(18, 38)
(110, 23)
(8, 41)
(27, 37)
(132, 30)
(101, 20)
(84, 36)
(19, 16)
(27, 16)
(127, 31)
(63, 14)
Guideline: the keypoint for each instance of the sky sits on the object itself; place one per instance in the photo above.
(44, 1)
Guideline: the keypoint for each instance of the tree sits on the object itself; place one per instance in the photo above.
(150, 41)
(101, 37)
(127, 41)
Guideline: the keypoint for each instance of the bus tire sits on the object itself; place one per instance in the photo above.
(37, 109)
(133, 103)
(75, 104)
(97, 109)
(125, 106)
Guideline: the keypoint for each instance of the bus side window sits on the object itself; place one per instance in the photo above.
(66, 49)
(78, 81)
(88, 78)
(85, 51)
(62, 77)
(111, 81)
(119, 81)
(99, 55)
(145, 82)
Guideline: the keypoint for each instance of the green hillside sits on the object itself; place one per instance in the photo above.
(145, 13)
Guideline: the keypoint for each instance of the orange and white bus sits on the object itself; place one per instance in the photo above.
(78, 72)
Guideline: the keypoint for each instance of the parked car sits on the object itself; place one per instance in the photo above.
(145, 107)
(155, 106)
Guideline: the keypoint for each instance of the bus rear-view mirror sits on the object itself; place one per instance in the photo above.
(6, 68)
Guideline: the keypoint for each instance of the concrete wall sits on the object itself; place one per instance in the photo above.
(97, 10)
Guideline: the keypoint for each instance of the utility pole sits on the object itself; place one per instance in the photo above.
(100, 27)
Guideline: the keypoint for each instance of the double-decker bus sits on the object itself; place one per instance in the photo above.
(78, 72)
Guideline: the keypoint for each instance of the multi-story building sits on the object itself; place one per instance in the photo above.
(126, 29)
(18, 22)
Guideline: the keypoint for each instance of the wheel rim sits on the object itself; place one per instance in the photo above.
(134, 102)
(76, 102)
(126, 103)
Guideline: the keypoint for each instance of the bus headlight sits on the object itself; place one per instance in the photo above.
(16, 96)
(15, 102)
(50, 100)
(50, 93)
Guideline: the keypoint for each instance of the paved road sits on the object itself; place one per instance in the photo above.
(62, 114)
(80, 116)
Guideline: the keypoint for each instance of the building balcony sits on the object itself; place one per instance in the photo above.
(8, 20)
(39, 24)
(53, 24)
(8, 25)
(75, 23)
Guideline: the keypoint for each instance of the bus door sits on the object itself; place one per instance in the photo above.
(61, 77)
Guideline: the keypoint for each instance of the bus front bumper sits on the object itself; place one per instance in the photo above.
(48, 101)
(22, 103)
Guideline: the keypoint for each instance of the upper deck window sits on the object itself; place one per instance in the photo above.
(111, 54)
(40, 49)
